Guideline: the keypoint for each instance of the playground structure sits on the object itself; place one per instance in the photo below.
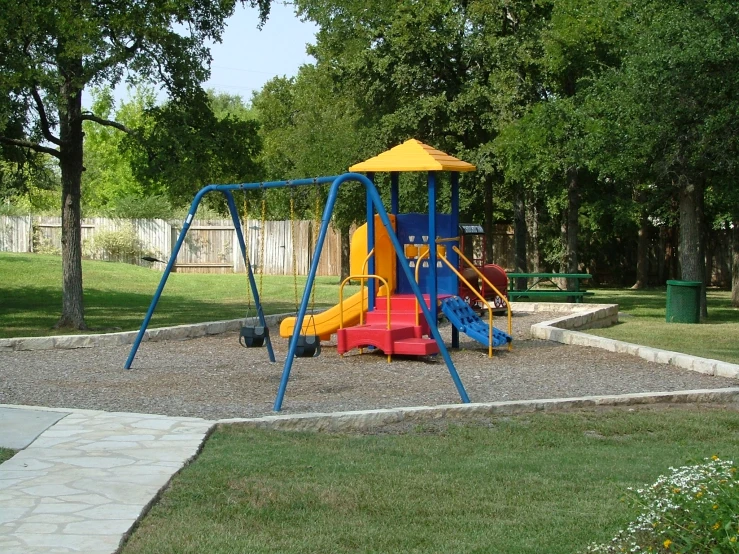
(409, 263)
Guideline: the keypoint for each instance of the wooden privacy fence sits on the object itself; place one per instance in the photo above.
(16, 233)
(210, 246)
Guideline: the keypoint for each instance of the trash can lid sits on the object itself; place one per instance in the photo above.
(685, 283)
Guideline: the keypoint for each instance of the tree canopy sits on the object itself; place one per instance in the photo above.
(52, 51)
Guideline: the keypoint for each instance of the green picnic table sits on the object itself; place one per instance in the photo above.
(552, 289)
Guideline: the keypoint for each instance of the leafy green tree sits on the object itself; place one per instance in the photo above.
(178, 148)
(446, 72)
(108, 178)
(309, 131)
(672, 106)
(52, 51)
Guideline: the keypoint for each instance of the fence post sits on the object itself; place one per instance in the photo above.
(234, 249)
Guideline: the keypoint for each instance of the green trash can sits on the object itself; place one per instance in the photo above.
(683, 301)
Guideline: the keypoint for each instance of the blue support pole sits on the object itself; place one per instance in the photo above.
(373, 195)
(247, 265)
(370, 245)
(394, 193)
(432, 285)
(167, 271)
(451, 254)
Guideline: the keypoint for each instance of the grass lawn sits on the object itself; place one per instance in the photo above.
(6, 454)
(526, 484)
(645, 324)
(117, 295)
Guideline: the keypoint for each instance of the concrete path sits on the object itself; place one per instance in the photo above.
(19, 427)
(83, 483)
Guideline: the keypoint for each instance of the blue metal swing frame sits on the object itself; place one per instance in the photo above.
(373, 201)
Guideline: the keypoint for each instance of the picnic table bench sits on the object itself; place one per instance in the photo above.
(553, 288)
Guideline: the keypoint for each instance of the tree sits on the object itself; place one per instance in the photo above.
(446, 72)
(310, 129)
(672, 106)
(178, 147)
(108, 178)
(52, 51)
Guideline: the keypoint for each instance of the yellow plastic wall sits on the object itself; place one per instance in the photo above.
(385, 260)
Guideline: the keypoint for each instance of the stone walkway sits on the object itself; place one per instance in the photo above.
(83, 483)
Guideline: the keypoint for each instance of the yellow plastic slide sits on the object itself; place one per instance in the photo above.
(328, 322)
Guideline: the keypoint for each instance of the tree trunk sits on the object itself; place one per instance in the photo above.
(691, 246)
(488, 191)
(70, 162)
(532, 222)
(573, 226)
(642, 247)
(735, 265)
(519, 234)
(345, 244)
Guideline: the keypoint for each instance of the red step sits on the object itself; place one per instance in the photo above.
(400, 302)
(375, 335)
(379, 317)
(416, 347)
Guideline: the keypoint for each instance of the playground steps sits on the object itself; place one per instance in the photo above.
(403, 337)
(464, 318)
(399, 339)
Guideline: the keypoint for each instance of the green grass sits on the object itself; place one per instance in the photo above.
(527, 484)
(717, 337)
(118, 295)
(6, 454)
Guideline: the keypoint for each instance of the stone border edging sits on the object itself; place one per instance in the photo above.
(188, 331)
(591, 316)
(178, 332)
(369, 419)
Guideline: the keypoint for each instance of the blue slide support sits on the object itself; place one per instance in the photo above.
(371, 294)
(453, 256)
(432, 283)
(374, 197)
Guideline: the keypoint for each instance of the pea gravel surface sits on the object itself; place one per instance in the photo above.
(214, 377)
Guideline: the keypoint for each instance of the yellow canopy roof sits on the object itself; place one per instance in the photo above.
(413, 155)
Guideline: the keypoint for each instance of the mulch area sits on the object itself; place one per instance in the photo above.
(214, 377)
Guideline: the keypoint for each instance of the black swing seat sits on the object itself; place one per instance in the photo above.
(253, 336)
(309, 346)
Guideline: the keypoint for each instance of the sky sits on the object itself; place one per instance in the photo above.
(247, 58)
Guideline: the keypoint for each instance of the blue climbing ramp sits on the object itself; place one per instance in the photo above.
(464, 318)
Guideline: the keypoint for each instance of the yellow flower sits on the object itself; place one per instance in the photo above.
(714, 458)
(716, 525)
(715, 506)
(676, 490)
(667, 543)
(733, 470)
(700, 493)
(732, 539)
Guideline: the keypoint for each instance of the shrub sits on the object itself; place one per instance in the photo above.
(693, 509)
(122, 245)
(43, 244)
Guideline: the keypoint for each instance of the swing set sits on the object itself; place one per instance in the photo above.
(253, 334)
(407, 243)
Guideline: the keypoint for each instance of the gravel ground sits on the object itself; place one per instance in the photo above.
(213, 377)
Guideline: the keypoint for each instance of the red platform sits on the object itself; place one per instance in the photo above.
(403, 337)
